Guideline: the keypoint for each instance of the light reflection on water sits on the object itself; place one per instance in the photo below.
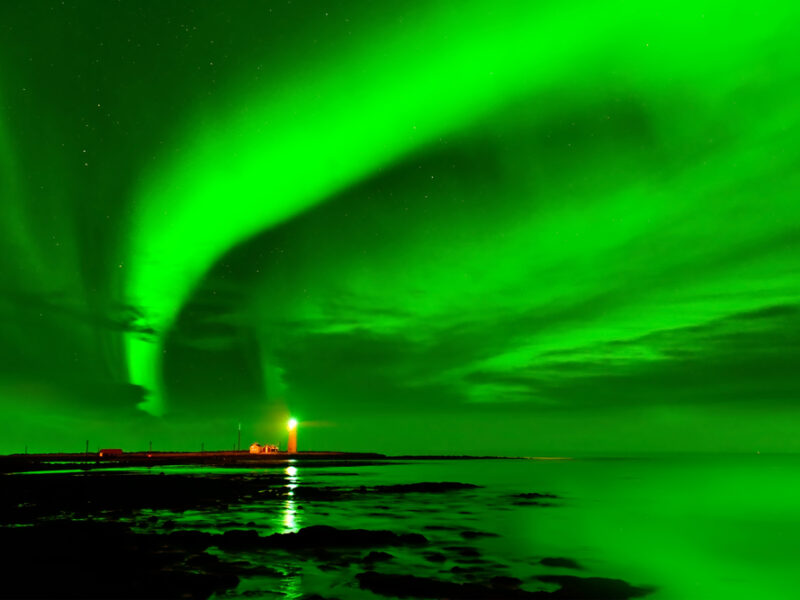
(291, 522)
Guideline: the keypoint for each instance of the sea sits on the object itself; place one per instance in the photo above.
(687, 526)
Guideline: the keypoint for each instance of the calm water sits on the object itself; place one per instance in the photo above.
(695, 527)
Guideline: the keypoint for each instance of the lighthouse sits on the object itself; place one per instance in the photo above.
(292, 449)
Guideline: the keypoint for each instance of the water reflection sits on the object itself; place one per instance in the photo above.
(289, 513)
(290, 516)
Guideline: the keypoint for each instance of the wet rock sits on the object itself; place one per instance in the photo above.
(319, 493)
(244, 568)
(212, 564)
(427, 487)
(325, 536)
(377, 556)
(465, 570)
(102, 560)
(464, 551)
(400, 586)
(471, 535)
(194, 541)
(566, 563)
(593, 588)
(203, 561)
(498, 588)
(435, 557)
(505, 582)
(238, 538)
(534, 496)
(88, 493)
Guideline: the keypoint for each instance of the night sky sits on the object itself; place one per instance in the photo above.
(442, 227)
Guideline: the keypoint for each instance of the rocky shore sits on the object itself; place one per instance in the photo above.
(120, 535)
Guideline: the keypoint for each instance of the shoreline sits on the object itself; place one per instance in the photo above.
(61, 461)
(173, 534)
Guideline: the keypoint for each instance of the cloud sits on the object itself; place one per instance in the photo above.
(61, 306)
(749, 358)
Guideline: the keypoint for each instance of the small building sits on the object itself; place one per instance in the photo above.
(256, 448)
(109, 452)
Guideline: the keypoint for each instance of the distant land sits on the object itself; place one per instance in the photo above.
(62, 461)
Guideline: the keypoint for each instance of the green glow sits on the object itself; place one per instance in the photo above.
(275, 154)
(17, 239)
(522, 220)
(260, 166)
(520, 228)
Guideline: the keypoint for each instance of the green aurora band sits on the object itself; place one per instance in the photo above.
(282, 151)
(577, 219)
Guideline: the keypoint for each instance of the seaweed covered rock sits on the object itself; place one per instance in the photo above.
(325, 536)
(104, 560)
(402, 586)
(425, 487)
(594, 588)
(566, 563)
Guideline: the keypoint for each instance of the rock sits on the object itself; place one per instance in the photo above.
(498, 588)
(464, 570)
(505, 582)
(238, 538)
(402, 586)
(534, 496)
(566, 563)
(464, 551)
(377, 556)
(325, 536)
(316, 537)
(203, 561)
(424, 487)
(435, 557)
(104, 560)
(319, 493)
(593, 588)
(471, 535)
(195, 541)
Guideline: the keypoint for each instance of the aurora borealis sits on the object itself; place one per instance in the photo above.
(430, 227)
